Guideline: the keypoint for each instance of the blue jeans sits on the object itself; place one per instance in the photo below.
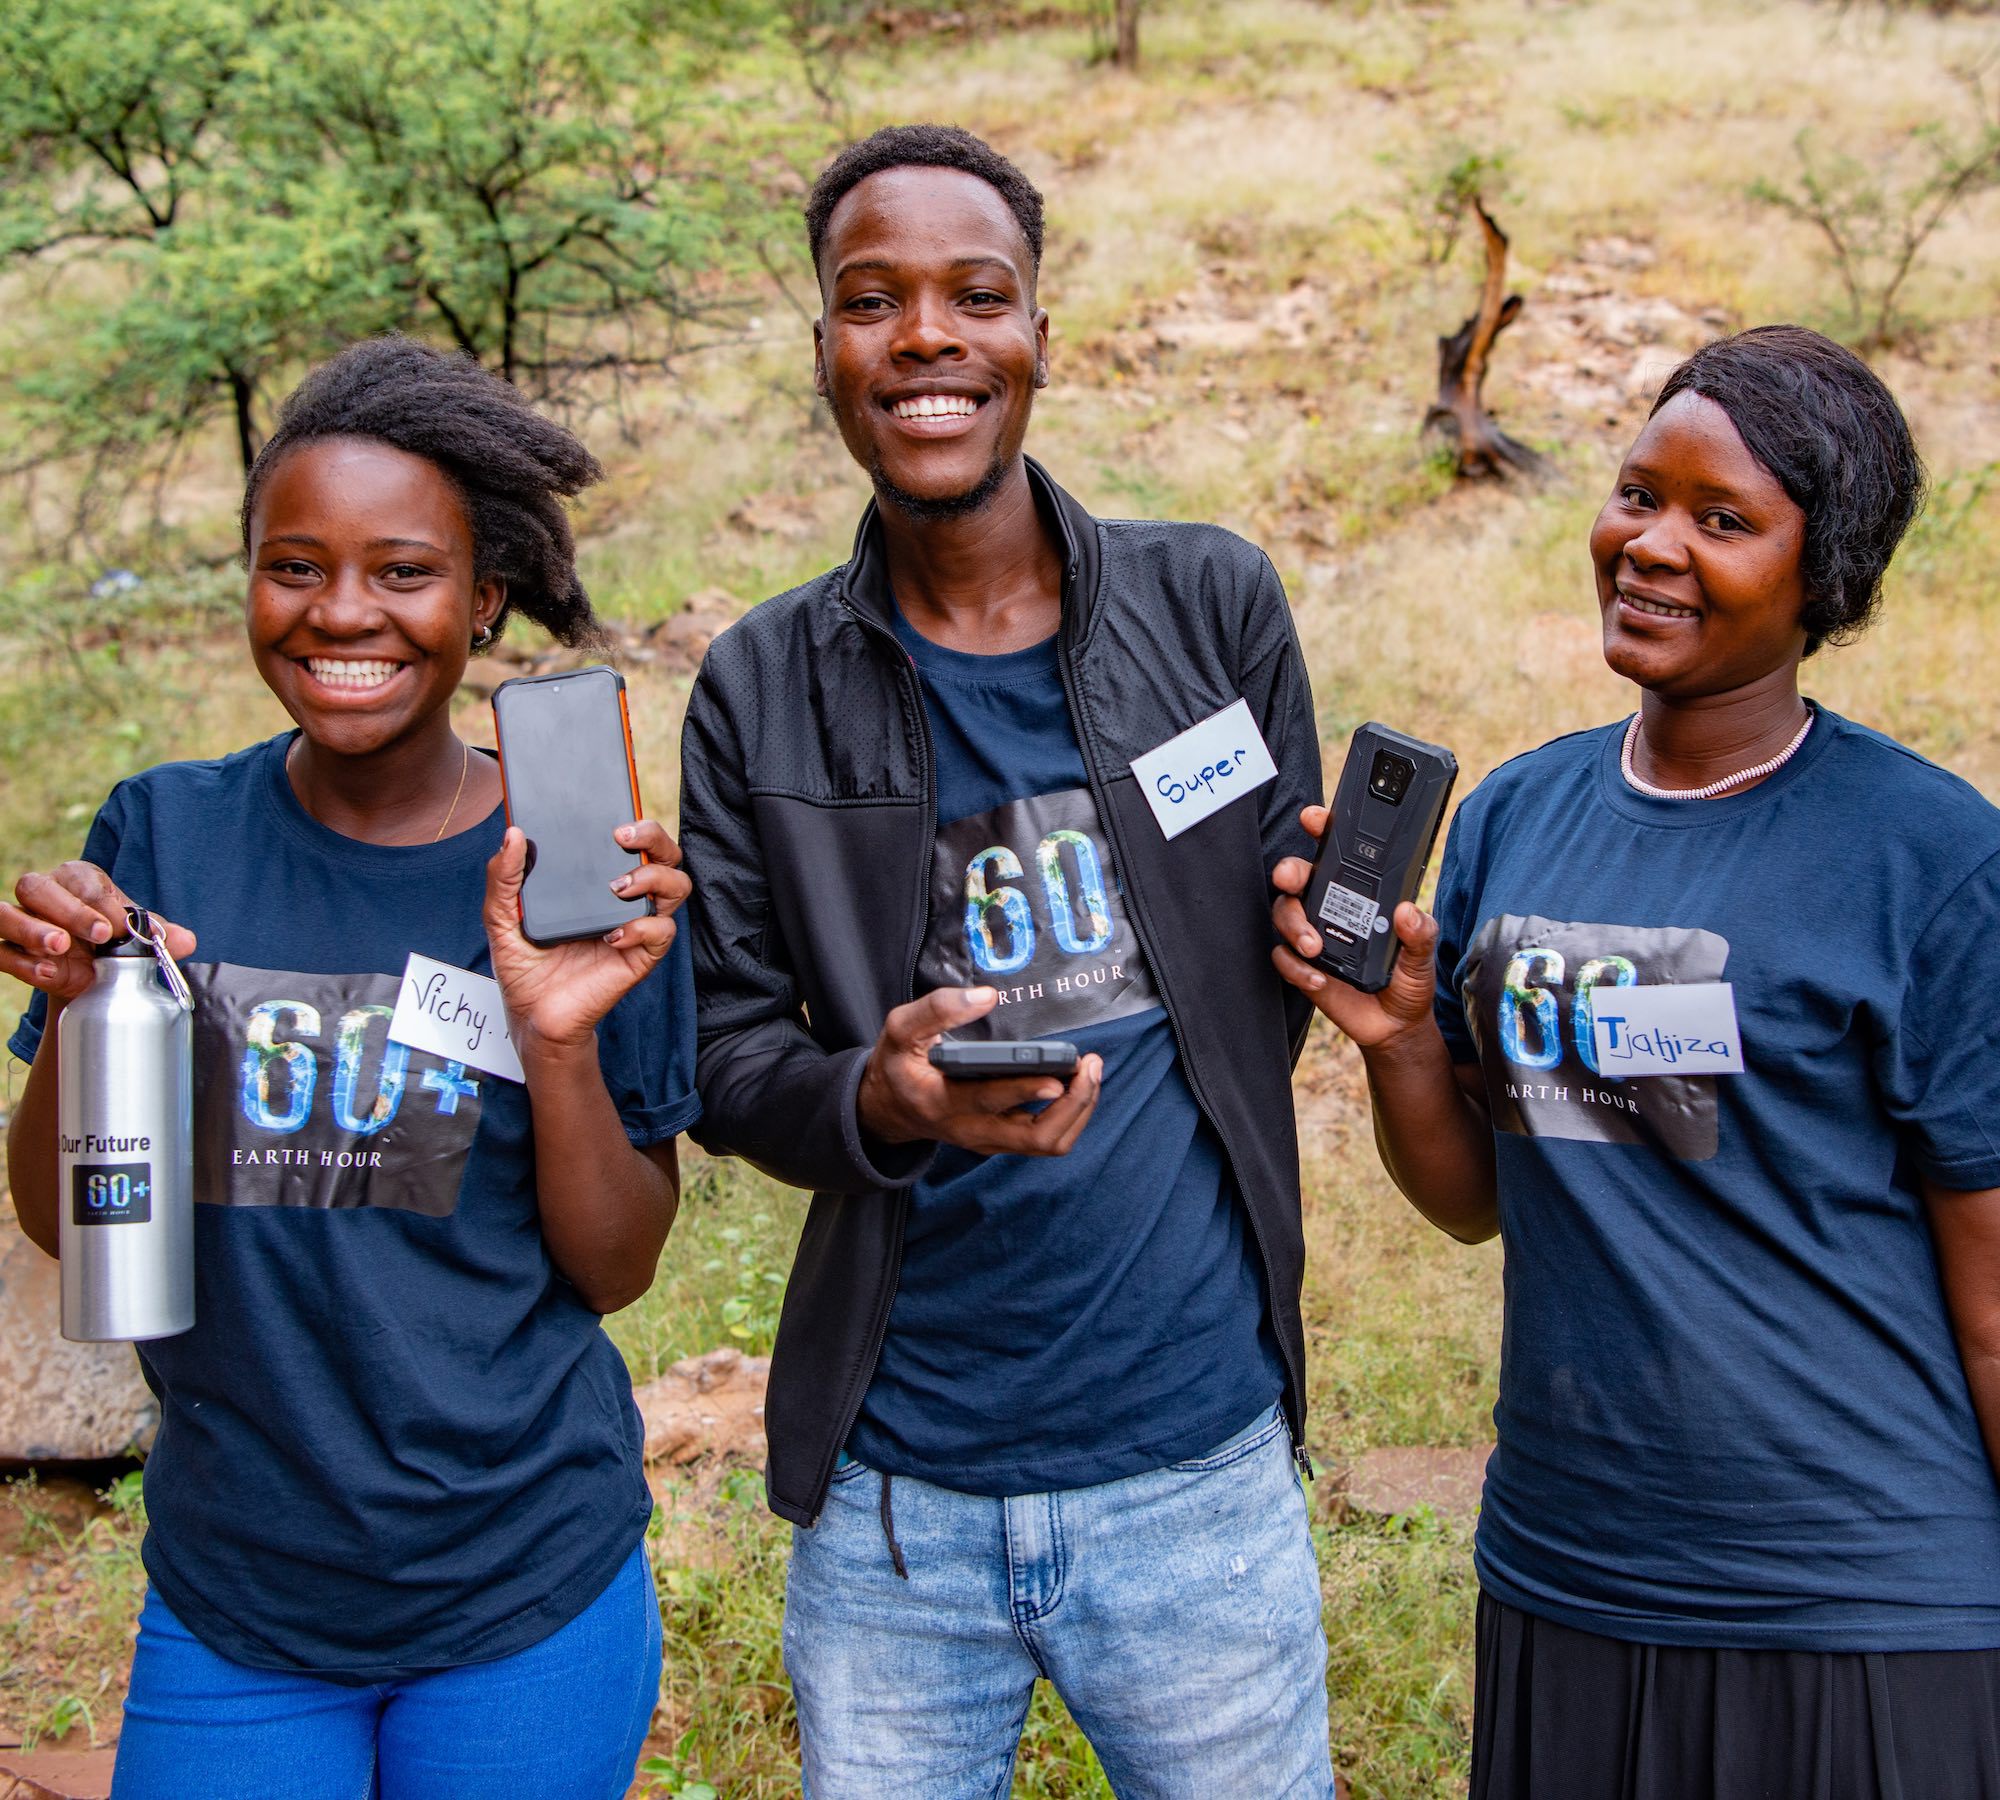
(1177, 1613)
(563, 1717)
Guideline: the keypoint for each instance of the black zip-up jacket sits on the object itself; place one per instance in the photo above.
(808, 813)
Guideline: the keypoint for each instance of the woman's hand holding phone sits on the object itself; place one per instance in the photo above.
(1431, 1125)
(904, 1100)
(557, 993)
(1374, 1021)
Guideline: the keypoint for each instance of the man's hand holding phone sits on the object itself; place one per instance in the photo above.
(905, 1100)
(1374, 1021)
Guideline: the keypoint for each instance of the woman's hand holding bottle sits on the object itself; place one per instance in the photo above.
(47, 934)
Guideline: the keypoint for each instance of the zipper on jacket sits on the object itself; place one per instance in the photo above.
(906, 681)
(1143, 928)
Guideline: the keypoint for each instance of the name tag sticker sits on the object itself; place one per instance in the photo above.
(1688, 1029)
(455, 1014)
(1204, 769)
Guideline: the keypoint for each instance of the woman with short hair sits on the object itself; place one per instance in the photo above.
(1741, 1533)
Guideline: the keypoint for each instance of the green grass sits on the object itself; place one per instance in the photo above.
(64, 1641)
(723, 1273)
(1399, 1600)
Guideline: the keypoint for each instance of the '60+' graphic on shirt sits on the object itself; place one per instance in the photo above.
(301, 1100)
(1529, 987)
(1025, 899)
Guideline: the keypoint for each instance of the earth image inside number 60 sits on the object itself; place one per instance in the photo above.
(1024, 898)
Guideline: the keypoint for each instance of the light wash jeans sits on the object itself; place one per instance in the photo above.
(563, 1717)
(1177, 1613)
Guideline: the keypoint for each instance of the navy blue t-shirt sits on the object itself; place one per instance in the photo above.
(395, 1439)
(1058, 1321)
(1732, 1412)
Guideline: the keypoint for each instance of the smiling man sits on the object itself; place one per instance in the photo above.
(1037, 1401)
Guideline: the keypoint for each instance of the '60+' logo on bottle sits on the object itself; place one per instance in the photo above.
(110, 1193)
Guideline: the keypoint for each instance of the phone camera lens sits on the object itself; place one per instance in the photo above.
(1389, 777)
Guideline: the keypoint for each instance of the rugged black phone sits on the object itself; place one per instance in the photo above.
(1386, 813)
(569, 782)
(994, 1061)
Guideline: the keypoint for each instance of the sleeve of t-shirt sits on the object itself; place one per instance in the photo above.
(99, 847)
(646, 1048)
(1453, 908)
(1940, 1068)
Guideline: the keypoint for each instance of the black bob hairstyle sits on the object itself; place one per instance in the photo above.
(512, 467)
(1822, 422)
(924, 147)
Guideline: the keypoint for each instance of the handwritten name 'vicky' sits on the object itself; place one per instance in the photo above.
(436, 997)
(455, 1014)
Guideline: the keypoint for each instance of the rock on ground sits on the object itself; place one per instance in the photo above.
(56, 1774)
(60, 1402)
(1448, 1480)
(706, 1406)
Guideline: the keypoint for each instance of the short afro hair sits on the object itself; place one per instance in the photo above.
(511, 466)
(1824, 424)
(924, 147)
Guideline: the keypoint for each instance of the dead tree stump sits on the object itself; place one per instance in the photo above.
(1458, 416)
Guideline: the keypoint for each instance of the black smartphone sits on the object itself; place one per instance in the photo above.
(994, 1061)
(569, 782)
(1386, 812)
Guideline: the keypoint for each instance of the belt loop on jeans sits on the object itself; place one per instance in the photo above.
(889, 1529)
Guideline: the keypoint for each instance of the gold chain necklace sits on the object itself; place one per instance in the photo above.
(464, 764)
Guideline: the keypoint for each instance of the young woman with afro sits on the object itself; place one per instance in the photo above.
(396, 1503)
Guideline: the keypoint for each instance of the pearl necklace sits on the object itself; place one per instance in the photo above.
(1714, 787)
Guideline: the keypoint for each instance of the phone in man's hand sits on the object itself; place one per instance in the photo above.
(995, 1061)
(569, 781)
(1386, 811)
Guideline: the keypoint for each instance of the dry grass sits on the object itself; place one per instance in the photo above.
(1244, 331)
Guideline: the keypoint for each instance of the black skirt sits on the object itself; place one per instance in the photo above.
(1560, 1714)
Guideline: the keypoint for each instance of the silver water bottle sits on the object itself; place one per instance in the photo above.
(125, 1149)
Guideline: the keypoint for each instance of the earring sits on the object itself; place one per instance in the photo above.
(482, 638)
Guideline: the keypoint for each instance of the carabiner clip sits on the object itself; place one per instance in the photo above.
(151, 929)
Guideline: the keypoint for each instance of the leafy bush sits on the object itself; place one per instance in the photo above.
(1876, 216)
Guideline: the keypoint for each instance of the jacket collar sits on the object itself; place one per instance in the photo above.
(865, 581)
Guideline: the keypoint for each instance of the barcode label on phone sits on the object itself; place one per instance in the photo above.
(1347, 911)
